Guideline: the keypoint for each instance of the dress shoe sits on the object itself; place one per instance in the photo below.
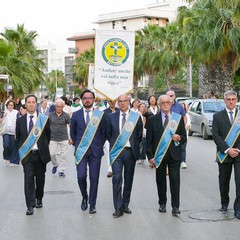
(162, 208)
(54, 170)
(84, 204)
(30, 211)
(127, 210)
(175, 211)
(109, 174)
(39, 204)
(237, 214)
(92, 210)
(223, 208)
(117, 213)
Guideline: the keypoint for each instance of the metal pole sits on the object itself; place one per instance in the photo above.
(190, 76)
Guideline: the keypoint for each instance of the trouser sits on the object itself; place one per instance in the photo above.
(174, 179)
(225, 170)
(94, 164)
(8, 146)
(124, 162)
(34, 178)
(60, 149)
(106, 154)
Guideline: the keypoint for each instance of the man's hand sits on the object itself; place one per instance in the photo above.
(152, 162)
(233, 152)
(176, 138)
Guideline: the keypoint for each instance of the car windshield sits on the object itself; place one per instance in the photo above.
(211, 107)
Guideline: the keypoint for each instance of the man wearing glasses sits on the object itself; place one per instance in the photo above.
(225, 130)
(87, 131)
(124, 133)
(165, 134)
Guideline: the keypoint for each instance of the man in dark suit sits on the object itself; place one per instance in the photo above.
(93, 151)
(111, 109)
(171, 152)
(36, 154)
(223, 121)
(127, 156)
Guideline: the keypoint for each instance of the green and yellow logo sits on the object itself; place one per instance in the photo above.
(115, 51)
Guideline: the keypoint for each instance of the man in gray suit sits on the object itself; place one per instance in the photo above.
(225, 132)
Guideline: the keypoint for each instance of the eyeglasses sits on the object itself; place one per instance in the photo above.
(231, 99)
(171, 95)
(122, 101)
(87, 98)
(10, 105)
(165, 103)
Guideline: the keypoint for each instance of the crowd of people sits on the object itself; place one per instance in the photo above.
(126, 131)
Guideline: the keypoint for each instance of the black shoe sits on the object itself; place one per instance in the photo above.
(223, 208)
(162, 208)
(92, 210)
(84, 204)
(237, 214)
(39, 204)
(117, 213)
(30, 211)
(127, 210)
(175, 211)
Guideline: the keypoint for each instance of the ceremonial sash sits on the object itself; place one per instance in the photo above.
(33, 136)
(88, 135)
(166, 138)
(231, 137)
(124, 136)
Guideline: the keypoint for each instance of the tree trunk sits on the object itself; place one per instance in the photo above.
(217, 78)
(135, 87)
(151, 85)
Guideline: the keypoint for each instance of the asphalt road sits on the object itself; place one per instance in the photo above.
(61, 217)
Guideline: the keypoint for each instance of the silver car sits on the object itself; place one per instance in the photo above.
(201, 114)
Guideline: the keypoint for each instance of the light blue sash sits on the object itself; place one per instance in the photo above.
(124, 136)
(231, 137)
(33, 136)
(88, 135)
(166, 138)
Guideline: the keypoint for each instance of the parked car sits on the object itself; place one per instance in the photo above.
(182, 99)
(201, 114)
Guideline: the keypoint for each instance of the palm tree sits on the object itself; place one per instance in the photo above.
(55, 79)
(212, 37)
(81, 67)
(23, 64)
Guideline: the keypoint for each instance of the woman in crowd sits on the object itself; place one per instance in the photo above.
(142, 111)
(152, 105)
(135, 105)
(9, 142)
(18, 103)
(76, 104)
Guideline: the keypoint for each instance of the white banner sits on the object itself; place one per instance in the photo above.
(114, 62)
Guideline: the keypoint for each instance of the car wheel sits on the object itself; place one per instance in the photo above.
(204, 133)
(190, 133)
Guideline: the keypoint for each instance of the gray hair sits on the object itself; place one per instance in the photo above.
(229, 92)
(59, 100)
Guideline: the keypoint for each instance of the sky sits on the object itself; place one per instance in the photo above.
(55, 21)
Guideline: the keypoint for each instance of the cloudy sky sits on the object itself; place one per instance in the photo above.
(54, 21)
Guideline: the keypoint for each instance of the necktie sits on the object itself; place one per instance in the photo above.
(123, 119)
(87, 117)
(166, 121)
(30, 124)
(231, 117)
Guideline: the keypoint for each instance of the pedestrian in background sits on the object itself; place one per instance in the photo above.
(59, 122)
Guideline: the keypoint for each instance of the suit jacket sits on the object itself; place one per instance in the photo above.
(42, 143)
(155, 130)
(77, 128)
(220, 128)
(113, 133)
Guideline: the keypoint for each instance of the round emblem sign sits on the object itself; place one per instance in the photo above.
(115, 51)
